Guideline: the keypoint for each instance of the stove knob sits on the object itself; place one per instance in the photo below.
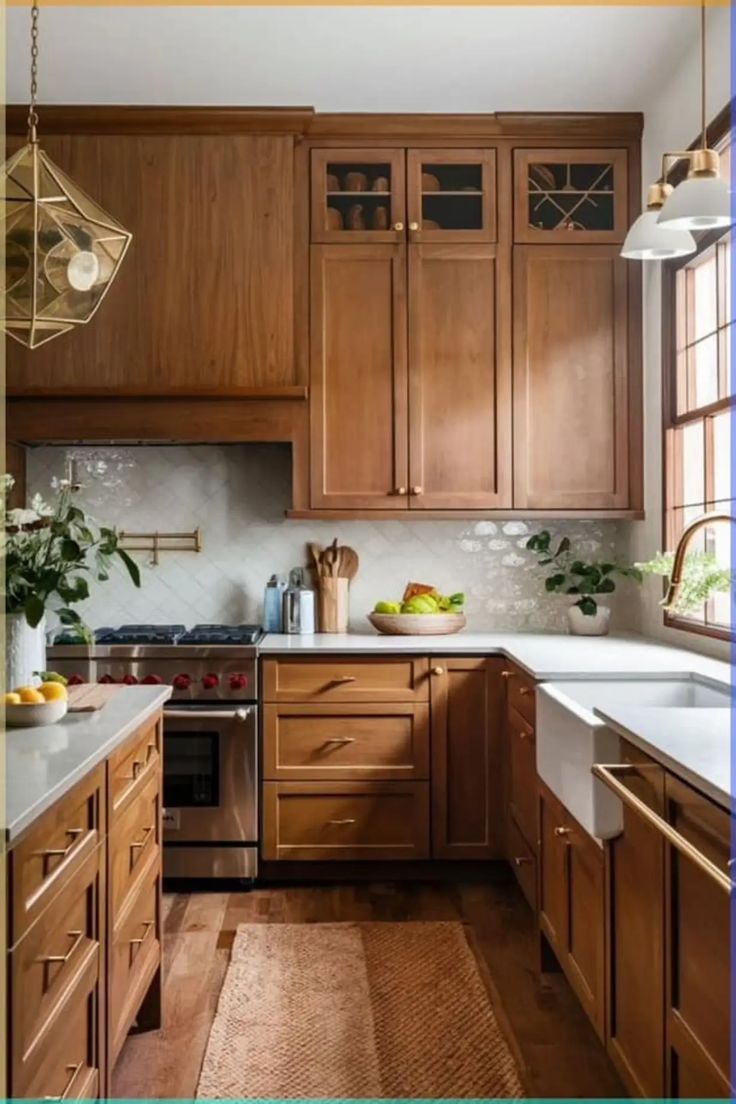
(238, 682)
(151, 680)
(105, 679)
(181, 682)
(76, 680)
(209, 682)
(129, 680)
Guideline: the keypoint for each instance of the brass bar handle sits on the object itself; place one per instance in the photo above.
(147, 925)
(52, 852)
(72, 1078)
(76, 937)
(344, 679)
(142, 842)
(521, 860)
(508, 674)
(341, 740)
(344, 820)
(607, 772)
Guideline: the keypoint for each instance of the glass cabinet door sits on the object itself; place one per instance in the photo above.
(451, 195)
(570, 195)
(358, 195)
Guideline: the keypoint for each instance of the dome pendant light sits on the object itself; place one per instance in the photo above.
(648, 241)
(703, 200)
(62, 250)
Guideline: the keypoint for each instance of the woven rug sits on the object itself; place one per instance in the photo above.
(355, 1010)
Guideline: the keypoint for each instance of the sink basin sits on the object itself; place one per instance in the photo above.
(570, 738)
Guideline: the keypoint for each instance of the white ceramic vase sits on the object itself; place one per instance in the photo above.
(25, 650)
(586, 624)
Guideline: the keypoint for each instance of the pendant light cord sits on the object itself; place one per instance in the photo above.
(703, 76)
(32, 113)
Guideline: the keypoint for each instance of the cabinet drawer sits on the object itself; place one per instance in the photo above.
(131, 765)
(134, 838)
(523, 863)
(521, 693)
(303, 742)
(343, 679)
(344, 820)
(48, 966)
(53, 849)
(134, 957)
(523, 782)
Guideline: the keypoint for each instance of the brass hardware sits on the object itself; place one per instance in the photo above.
(521, 860)
(413, 225)
(74, 1071)
(53, 852)
(438, 670)
(678, 562)
(521, 734)
(524, 690)
(400, 491)
(148, 925)
(344, 678)
(341, 740)
(76, 937)
(508, 674)
(398, 226)
(156, 543)
(142, 843)
(137, 765)
(417, 490)
(560, 831)
(607, 774)
(344, 820)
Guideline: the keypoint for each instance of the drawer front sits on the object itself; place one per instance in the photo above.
(523, 863)
(521, 693)
(344, 679)
(336, 742)
(523, 768)
(333, 820)
(53, 849)
(134, 957)
(130, 766)
(134, 841)
(46, 966)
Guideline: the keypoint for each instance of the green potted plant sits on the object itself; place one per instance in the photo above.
(702, 576)
(585, 579)
(50, 550)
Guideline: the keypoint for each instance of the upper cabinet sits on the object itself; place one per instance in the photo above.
(451, 195)
(574, 195)
(204, 301)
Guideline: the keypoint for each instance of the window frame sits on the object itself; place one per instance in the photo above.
(717, 132)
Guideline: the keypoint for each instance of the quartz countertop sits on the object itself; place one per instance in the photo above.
(43, 763)
(695, 744)
(542, 655)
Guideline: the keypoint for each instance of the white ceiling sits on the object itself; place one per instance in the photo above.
(452, 58)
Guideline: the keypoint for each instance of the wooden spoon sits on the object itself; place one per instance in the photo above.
(348, 563)
(315, 551)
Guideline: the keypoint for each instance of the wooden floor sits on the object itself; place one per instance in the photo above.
(560, 1054)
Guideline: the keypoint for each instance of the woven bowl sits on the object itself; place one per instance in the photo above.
(33, 715)
(417, 624)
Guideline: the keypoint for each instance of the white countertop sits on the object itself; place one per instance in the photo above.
(42, 764)
(543, 655)
(695, 744)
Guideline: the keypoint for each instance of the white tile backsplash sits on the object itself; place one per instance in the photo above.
(237, 495)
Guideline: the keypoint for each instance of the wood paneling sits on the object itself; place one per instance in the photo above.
(346, 679)
(203, 302)
(459, 377)
(571, 345)
(467, 725)
(358, 377)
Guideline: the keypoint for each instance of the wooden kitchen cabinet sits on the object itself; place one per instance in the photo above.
(522, 766)
(451, 195)
(466, 698)
(358, 195)
(575, 363)
(571, 196)
(519, 780)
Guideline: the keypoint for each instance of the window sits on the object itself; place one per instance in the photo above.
(698, 406)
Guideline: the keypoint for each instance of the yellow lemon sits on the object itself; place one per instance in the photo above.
(53, 691)
(29, 696)
(12, 698)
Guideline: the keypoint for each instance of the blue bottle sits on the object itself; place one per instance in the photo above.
(272, 605)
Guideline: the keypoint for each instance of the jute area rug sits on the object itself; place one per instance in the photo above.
(352, 1010)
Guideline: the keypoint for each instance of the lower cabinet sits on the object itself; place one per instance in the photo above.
(572, 903)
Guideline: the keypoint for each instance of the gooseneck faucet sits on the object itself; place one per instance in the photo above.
(682, 545)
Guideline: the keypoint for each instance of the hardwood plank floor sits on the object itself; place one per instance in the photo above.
(559, 1052)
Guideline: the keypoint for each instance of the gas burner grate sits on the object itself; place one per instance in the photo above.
(143, 634)
(222, 634)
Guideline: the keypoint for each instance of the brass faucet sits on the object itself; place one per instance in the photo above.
(682, 545)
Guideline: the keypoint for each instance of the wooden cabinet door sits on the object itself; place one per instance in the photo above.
(585, 939)
(523, 776)
(570, 196)
(459, 378)
(451, 195)
(358, 195)
(467, 717)
(698, 1017)
(571, 394)
(554, 859)
(203, 302)
(636, 940)
(358, 391)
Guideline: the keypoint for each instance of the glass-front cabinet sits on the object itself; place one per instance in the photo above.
(451, 195)
(573, 195)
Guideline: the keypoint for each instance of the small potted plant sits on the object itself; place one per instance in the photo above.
(586, 580)
(49, 551)
(701, 576)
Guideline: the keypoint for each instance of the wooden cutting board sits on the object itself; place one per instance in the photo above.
(90, 696)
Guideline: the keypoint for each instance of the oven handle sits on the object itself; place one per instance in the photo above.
(208, 715)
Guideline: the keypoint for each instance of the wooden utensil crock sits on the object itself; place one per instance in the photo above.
(333, 604)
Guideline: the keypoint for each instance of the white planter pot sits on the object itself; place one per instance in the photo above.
(584, 624)
(25, 650)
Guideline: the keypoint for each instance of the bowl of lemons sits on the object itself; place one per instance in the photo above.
(31, 706)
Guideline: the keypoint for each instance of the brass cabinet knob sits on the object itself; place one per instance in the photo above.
(560, 831)
(398, 226)
(507, 674)
(438, 670)
(400, 491)
(414, 226)
(525, 690)
(417, 490)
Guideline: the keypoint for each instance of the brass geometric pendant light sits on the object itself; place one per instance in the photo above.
(62, 250)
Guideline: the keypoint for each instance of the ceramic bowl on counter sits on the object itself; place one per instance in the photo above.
(33, 715)
(417, 624)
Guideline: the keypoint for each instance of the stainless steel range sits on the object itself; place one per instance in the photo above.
(210, 733)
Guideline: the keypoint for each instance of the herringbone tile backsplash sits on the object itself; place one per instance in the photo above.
(237, 495)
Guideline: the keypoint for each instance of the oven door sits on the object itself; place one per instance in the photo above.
(210, 774)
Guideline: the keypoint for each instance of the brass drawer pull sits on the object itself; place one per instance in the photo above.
(521, 860)
(142, 842)
(345, 678)
(148, 925)
(72, 1078)
(341, 740)
(508, 674)
(53, 852)
(138, 764)
(76, 937)
(607, 774)
(525, 690)
(344, 820)
(560, 831)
